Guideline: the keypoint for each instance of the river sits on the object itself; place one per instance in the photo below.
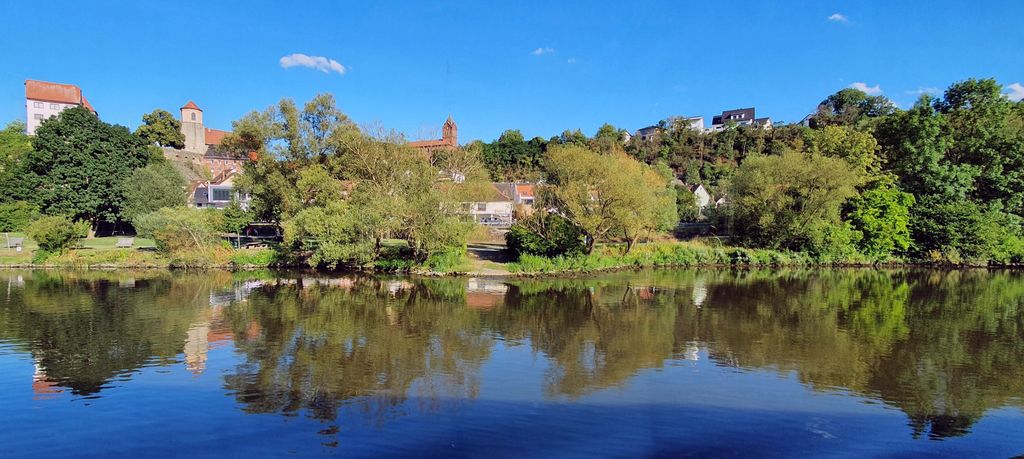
(651, 363)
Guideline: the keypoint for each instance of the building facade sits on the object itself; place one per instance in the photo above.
(44, 100)
(449, 139)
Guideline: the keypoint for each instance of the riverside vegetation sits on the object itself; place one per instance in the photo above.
(863, 182)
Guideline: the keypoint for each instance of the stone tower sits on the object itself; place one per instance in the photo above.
(450, 132)
(192, 127)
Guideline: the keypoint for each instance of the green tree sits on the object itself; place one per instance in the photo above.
(545, 234)
(882, 216)
(15, 145)
(78, 165)
(859, 149)
(16, 215)
(235, 218)
(152, 187)
(792, 201)
(606, 194)
(335, 234)
(850, 107)
(161, 128)
(914, 145)
(56, 234)
(179, 231)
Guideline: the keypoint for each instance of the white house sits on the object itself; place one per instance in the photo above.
(44, 100)
(701, 195)
(218, 192)
(494, 205)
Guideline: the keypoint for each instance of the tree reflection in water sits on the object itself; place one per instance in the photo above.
(943, 347)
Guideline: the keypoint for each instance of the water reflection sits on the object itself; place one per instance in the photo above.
(943, 347)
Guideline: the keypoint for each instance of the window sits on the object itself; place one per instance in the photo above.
(37, 104)
(221, 194)
(193, 117)
(38, 116)
(54, 106)
(481, 206)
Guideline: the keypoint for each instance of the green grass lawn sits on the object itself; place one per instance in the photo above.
(9, 256)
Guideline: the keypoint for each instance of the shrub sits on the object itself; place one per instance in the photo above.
(544, 234)
(179, 230)
(16, 216)
(56, 234)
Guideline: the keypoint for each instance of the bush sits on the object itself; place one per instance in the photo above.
(56, 234)
(179, 230)
(16, 216)
(544, 234)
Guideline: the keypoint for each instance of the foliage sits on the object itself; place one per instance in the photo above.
(56, 234)
(235, 218)
(882, 217)
(78, 165)
(337, 234)
(791, 201)
(14, 146)
(15, 216)
(152, 187)
(963, 232)
(658, 254)
(545, 234)
(606, 194)
(850, 107)
(686, 205)
(255, 257)
(512, 158)
(859, 149)
(161, 128)
(179, 231)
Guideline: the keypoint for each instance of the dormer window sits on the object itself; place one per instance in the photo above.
(193, 117)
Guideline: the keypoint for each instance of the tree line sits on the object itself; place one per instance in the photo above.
(864, 181)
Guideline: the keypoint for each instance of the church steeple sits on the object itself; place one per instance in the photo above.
(450, 132)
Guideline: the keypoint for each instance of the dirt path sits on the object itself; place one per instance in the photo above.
(488, 259)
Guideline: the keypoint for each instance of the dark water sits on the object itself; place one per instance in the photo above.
(704, 363)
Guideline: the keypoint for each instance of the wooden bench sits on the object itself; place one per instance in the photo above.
(125, 243)
(15, 242)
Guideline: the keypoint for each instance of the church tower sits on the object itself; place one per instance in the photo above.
(450, 133)
(192, 127)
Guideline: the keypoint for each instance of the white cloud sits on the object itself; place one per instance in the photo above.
(1016, 92)
(869, 90)
(571, 60)
(539, 51)
(321, 63)
(836, 17)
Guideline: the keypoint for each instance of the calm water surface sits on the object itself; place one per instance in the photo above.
(783, 363)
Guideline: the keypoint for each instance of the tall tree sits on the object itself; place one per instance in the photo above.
(14, 146)
(850, 107)
(152, 187)
(161, 128)
(791, 201)
(78, 166)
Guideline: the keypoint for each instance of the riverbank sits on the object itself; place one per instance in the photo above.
(479, 260)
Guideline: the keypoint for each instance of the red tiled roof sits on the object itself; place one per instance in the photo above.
(87, 105)
(525, 190)
(429, 143)
(215, 136)
(53, 92)
(192, 105)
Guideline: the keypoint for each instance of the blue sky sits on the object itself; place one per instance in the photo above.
(540, 67)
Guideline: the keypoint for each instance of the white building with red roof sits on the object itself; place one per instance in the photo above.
(44, 100)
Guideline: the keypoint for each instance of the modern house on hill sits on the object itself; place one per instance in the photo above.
(44, 100)
(739, 117)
